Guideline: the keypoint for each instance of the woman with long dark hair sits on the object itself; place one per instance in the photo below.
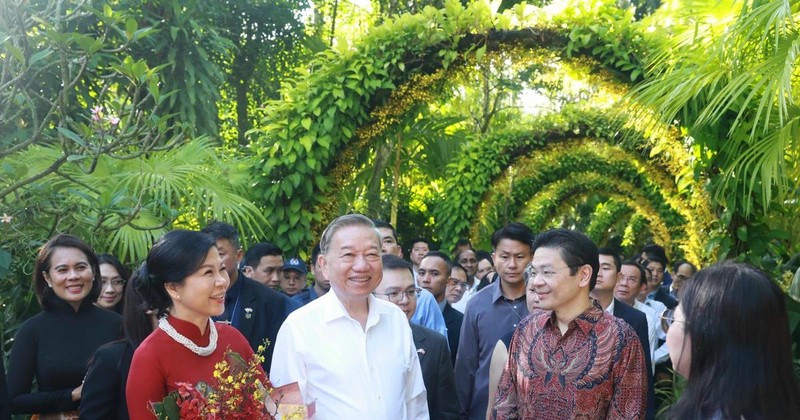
(730, 339)
(104, 386)
(184, 282)
(113, 276)
(52, 347)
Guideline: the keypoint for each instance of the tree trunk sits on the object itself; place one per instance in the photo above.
(383, 151)
(242, 123)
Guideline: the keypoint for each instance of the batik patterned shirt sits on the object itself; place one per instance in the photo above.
(595, 370)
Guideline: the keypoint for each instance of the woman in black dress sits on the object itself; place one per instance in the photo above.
(104, 386)
(52, 348)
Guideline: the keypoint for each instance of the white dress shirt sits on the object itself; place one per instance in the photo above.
(461, 305)
(351, 372)
(653, 324)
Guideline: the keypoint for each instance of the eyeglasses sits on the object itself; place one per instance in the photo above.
(114, 282)
(668, 318)
(397, 296)
(549, 272)
(456, 283)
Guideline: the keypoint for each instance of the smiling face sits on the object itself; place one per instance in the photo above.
(70, 275)
(353, 262)
(202, 293)
(558, 290)
(510, 259)
(679, 344)
(111, 286)
(433, 276)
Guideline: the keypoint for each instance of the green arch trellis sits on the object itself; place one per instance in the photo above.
(608, 215)
(577, 140)
(304, 146)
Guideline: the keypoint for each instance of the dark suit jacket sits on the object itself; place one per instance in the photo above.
(452, 320)
(662, 295)
(437, 372)
(638, 321)
(263, 312)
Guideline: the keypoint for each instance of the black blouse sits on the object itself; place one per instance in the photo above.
(103, 396)
(53, 347)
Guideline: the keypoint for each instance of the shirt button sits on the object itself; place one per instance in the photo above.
(515, 325)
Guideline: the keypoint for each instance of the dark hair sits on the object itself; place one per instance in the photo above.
(121, 270)
(515, 231)
(44, 294)
(642, 273)
(417, 240)
(222, 230)
(613, 254)
(441, 255)
(657, 253)
(385, 225)
(576, 249)
(393, 262)
(457, 266)
(741, 360)
(353, 219)
(314, 254)
(457, 254)
(254, 254)
(136, 323)
(175, 256)
(679, 263)
(484, 255)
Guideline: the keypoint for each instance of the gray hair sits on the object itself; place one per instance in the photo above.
(353, 219)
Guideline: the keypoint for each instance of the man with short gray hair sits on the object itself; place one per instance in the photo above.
(351, 353)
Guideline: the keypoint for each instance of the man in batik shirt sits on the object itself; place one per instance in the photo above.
(572, 360)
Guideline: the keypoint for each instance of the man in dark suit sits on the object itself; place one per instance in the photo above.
(607, 276)
(254, 309)
(434, 273)
(397, 286)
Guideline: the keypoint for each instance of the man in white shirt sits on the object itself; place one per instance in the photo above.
(468, 259)
(631, 279)
(351, 353)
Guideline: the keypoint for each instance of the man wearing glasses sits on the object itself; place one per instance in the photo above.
(572, 360)
(434, 275)
(398, 287)
(350, 352)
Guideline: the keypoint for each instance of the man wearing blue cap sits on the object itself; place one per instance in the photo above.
(294, 276)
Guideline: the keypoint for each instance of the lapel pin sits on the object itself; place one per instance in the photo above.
(248, 313)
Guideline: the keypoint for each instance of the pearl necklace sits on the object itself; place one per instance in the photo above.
(189, 344)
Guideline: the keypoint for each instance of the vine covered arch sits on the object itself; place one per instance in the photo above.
(306, 146)
(540, 178)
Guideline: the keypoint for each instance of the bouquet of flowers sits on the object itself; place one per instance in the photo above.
(240, 391)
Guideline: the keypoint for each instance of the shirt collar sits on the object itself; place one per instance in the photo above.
(234, 290)
(610, 308)
(585, 321)
(334, 309)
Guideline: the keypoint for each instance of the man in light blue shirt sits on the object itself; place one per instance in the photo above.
(428, 313)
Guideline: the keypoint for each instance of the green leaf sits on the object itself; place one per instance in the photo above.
(39, 56)
(72, 136)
